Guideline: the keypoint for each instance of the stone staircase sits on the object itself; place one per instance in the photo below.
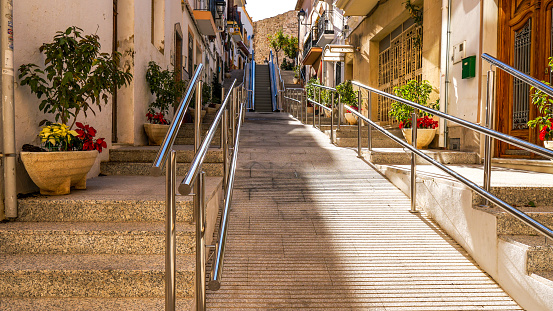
(103, 248)
(97, 249)
(262, 89)
(128, 160)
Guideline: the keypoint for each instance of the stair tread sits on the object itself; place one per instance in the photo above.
(151, 228)
(82, 304)
(104, 262)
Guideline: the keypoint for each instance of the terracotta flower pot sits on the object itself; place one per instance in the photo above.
(424, 137)
(156, 133)
(56, 172)
(309, 110)
(328, 113)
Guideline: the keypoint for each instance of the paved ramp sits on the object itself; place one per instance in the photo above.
(313, 227)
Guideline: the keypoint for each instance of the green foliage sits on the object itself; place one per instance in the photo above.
(165, 87)
(216, 89)
(206, 93)
(76, 76)
(417, 14)
(347, 95)
(291, 48)
(543, 102)
(286, 65)
(310, 89)
(417, 92)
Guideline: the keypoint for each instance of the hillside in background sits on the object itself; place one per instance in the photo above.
(287, 21)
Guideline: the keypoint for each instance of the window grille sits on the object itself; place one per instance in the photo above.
(521, 90)
(399, 61)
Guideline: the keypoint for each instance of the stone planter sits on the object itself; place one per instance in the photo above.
(295, 80)
(548, 144)
(309, 110)
(156, 133)
(56, 172)
(328, 113)
(424, 137)
(350, 118)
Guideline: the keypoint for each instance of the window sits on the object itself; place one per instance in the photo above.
(521, 90)
(399, 60)
(157, 25)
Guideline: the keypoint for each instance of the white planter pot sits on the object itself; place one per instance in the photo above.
(424, 137)
(548, 144)
(156, 133)
(56, 172)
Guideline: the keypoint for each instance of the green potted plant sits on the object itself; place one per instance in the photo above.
(348, 97)
(310, 90)
(544, 122)
(168, 91)
(76, 79)
(417, 92)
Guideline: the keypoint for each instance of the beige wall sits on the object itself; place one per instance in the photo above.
(36, 22)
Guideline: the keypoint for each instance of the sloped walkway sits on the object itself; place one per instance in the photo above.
(313, 227)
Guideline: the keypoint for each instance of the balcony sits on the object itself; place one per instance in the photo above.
(234, 31)
(325, 29)
(311, 52)
(205, 14)
(356, 7)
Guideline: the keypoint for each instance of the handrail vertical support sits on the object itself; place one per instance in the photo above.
(224, 142)
(170, 232)
(314, 108)
(332, 118)
(359, 153)
(369, 126)
(199, 190)
(319, 108)
(414, 164)
(340, 112)
(488, 139)
(304, 104)
(198, 117)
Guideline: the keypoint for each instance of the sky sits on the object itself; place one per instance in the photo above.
(261, 9)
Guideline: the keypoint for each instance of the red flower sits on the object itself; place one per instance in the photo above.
(86, 135)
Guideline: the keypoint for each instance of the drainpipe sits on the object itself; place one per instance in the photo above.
(444, 96)
(8, 111)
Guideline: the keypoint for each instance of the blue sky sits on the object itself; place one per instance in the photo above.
(261, 9)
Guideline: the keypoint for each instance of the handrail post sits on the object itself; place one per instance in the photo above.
(199, 191)
(340, 112)
(414, 163)
(222, 123)
(170, 232)
(197, 117)
(319, 107)
(359, 153)
(488, 139)
(224, 142)
(314, 108)
(332, 119)
(305, 100)
(369, 126)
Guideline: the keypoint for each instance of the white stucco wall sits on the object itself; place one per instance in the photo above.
(36, 22)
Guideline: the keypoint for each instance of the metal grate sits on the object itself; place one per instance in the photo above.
(399, 61)
(521, 90)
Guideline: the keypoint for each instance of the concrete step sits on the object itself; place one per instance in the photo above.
(538, 251)
(94, 276)
(399, 156)
(138, 161)
(509, 225)
(522, 197)
(87, 304)
(112, 199)
(143, 169)
(147, 154)
(92, 238)
(376, 143)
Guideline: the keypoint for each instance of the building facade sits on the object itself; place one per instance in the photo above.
(176, 34)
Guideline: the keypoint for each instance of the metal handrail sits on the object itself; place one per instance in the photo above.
(481, 129)
(185, 188)
(318, 104)
(511, 210)
(516, 73)
(215, 283)
(169, 140)
(252, 107)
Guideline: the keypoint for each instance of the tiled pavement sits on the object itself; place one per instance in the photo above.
(313, 227)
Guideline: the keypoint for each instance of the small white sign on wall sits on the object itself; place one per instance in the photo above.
(459, 51)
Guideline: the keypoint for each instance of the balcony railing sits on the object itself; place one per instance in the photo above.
(324, 24)
(311, 41)
(206, 5)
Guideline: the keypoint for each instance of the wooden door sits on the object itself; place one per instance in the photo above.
(525, 43)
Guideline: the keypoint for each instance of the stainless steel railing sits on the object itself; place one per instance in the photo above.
(483, 130)
(167, 157)
(195, 177)
(217, 271)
